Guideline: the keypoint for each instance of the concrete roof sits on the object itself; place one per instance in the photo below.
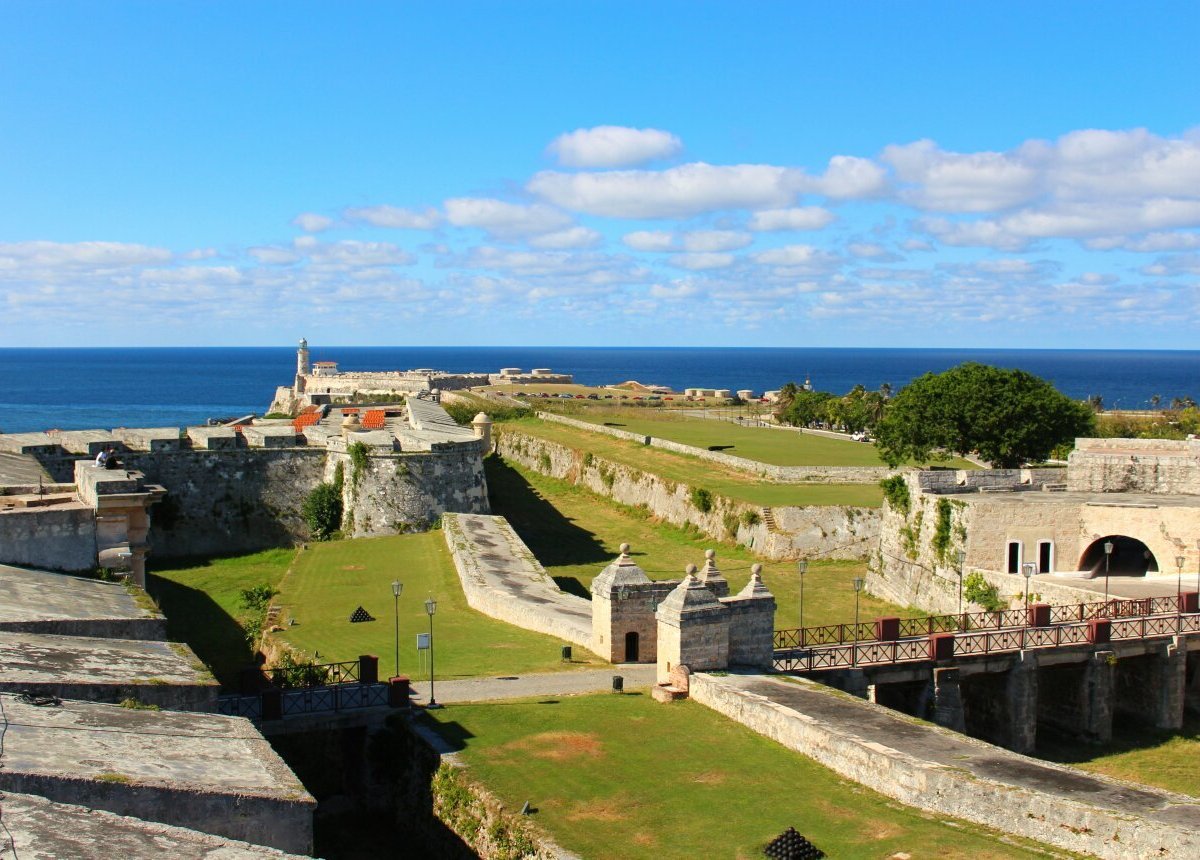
(44, 830)
(91, 742)
(81, 441)
(427, 416)
(1107, 499)
(21, 469)
(16, 442)
(38, 600)
(44, 660)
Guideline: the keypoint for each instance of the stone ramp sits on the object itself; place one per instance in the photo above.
(39, 601)
(40, 829)
(164, 674)
(199, 771)
(501, 578)
(951, 774)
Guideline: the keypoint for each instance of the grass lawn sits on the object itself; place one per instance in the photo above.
(762, 444)
(330, 580)
(700, 473)
(1163, 759)
(575, 533)
(620, 776)
(201, 599)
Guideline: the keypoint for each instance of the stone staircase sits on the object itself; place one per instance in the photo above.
(768, 519)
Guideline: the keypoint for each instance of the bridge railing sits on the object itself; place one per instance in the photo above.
(868, 631)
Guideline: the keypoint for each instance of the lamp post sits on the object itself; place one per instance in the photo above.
(1028, 569)
(1108, 551)
(1198, 570)
(858, 584)
(803, 565)
(397, 588)
(1179, 559)
(962, 557)
(430, 608)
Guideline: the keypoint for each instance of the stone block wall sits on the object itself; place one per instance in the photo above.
(828, 530)
(58, 538)
(751, 631)
(1135, 466)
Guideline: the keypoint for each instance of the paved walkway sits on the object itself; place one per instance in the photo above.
(543, 684)
(1119, 586)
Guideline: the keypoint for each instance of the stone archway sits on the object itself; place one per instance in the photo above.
(1130, 557)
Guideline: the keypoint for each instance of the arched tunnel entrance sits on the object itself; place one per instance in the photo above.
(1130, 557)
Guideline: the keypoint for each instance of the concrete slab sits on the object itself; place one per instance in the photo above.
(87, 443)
(201, 771)
(934, 768)
(150, 438)
(40, 829)
(21, 469)
(166, 674)
(38, 601)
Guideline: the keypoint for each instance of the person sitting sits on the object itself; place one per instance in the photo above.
(111, 461)
(102, 458)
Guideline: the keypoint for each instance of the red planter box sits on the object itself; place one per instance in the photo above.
(941, 646)
(887, 629)
(1099, 630)
(1039, 615)
(398, 692)
(1189, 601)
(368, 669)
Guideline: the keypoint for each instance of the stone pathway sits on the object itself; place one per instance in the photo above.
(542, 684)
(935, 768)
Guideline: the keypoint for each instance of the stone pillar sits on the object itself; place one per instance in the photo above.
(1097, 704)
(693, 629)
(1171, 668)
(947, 700)
(1022, 694)
(712, 578)
(752, 623)
(854, 682)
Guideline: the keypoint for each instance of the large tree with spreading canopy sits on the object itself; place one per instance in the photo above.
(1009, 417)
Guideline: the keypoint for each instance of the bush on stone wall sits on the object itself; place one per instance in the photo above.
(322, 511)
(895, 490)
(978, 590)
(702, 499)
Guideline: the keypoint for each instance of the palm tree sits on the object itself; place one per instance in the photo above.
(1155, 400)
(886, 390)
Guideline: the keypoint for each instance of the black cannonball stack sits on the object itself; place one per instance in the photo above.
(790, 845)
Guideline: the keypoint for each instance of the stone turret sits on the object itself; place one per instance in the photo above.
(482, 426)
(693, 629)
(623, 601)
(752, 623)
(302, 366)
(711, 577)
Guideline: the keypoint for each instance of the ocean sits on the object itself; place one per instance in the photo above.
(84, 388)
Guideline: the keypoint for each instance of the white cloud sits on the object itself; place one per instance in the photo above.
(504, 220)
(37, 254)
(871, 251)
(701, 261)
(349, 252)
(393, 216)
(273, 255)
(956, 182)
(650, 240)
(1175, 264)
(613, 146)
(796, 256)
(677, 291)
(850, 178)
(715, 240)
(311, 222)
(572, 237)
(799, 218)
(679, 192)
(1151, 242)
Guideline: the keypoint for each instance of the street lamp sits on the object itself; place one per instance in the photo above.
(397, 588)
(858, 584)
(1028, 569)
(430, 608)
(1108, 551)
(1198, 570)
(962, 557)
(803, 565)
(1179, 559)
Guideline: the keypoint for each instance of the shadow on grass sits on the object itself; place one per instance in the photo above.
(554, 539)
(1059, 747)
(195, 618)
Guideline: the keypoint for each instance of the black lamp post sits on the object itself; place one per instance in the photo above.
(858, 584)
(1028, 569)
(430, 608)
(1198, 570)
(1179, 559)
(397, 588)
(803, 565)
(1108, 551)
(962, 557)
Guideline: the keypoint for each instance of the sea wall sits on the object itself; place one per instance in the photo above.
(766, 471)
(832, 531)
(57, 538)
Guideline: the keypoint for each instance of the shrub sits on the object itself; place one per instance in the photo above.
(751, 518)
(941, 530)
(895, 490)
(257, 597)
(701, 499)
(359, 454)
(978, 590)
(322, 511)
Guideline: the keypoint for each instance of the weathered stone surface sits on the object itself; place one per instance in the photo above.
(1135, 466)
(501, 578)
(201, 771)
(43, 830)
(950, 774)
(38, 601)
(167, 675)
(62, 537)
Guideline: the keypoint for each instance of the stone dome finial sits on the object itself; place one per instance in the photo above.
(625, 549)
(756, 570)
(690, 570)
(710, 554)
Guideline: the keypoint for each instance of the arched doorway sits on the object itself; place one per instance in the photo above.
(631, 647)
(1130, 557)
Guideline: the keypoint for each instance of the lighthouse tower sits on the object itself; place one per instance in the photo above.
(302, 366)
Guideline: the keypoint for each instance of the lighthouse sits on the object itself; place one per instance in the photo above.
(301, 365)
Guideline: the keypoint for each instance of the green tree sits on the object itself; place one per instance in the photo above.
(1008, 416)
(322, 511)
(805, 408)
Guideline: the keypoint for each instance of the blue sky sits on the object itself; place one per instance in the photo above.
(778, 174)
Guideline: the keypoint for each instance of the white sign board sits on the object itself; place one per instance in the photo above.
(422, 641)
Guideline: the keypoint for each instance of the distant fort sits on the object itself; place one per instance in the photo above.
(320, 383)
